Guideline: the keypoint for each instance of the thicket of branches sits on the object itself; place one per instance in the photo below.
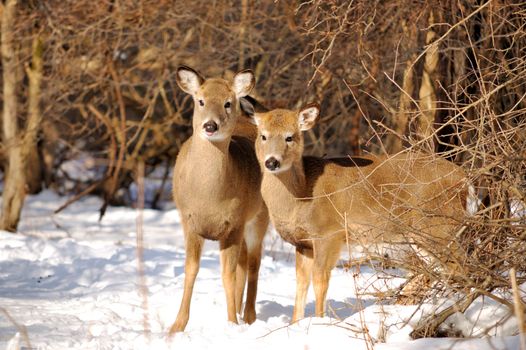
(445, 77)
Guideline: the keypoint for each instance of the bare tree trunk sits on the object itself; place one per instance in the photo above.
(242, 31)
(30, 155)
(14, 187)
(19, 147)
(394, 141)
(427, 92)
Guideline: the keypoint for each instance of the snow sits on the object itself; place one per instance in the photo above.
(71, 282)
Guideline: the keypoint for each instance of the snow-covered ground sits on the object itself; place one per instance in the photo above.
(69, 281)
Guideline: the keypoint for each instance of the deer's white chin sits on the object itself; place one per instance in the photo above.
(279, 170)
(213, 137)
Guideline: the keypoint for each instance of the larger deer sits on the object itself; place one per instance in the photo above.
(319, 205)
(216, 187)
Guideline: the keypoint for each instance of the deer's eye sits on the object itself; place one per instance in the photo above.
(227, 105)
(288, 139)
(263, 137)
(201, 103)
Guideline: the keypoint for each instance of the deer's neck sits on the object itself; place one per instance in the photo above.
(284, 189)
(290, 210)
(211, 157)
(294, 180)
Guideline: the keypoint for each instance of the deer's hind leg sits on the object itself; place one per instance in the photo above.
(254, 233)
(241, 276)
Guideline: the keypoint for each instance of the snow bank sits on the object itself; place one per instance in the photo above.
(72, 282)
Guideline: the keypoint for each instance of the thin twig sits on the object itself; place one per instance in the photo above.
(142, 286)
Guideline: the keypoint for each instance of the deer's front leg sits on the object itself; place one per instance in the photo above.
(230, 249)
(303, 276)
(193, 247)
(326, 254)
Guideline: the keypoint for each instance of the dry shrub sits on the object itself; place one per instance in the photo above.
(472, 94)
(484, 129)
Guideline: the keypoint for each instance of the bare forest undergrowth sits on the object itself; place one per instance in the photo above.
(438, 77)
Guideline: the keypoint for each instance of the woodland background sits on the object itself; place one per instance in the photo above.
(93, 81)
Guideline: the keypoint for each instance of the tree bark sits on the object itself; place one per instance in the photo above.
(394, 142)
(427, 94)
(30, 155)
(20, 148)
(14, 186)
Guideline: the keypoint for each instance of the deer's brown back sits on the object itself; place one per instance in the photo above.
(388, 195)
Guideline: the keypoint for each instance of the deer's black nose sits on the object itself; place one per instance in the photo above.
(210, 126)
(272, 164)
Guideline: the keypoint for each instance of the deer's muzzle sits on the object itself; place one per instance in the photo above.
(210, 127)
(272, 164)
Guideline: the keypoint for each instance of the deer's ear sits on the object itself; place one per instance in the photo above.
(308, 115)
(188, 79)
(244, 82)
(247, 107)
(254, 119)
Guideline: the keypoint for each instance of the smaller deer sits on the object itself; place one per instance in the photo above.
(216, 187)
(319, 204)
